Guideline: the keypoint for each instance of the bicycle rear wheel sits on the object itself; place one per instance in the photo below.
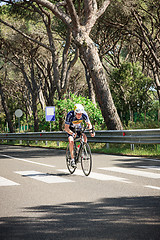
(86, 159)
(68, 161)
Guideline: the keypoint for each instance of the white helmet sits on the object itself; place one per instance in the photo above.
(78, 108)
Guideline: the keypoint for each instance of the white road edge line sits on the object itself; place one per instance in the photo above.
(153, 187)
(24, 160)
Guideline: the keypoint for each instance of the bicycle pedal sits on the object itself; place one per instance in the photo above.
(75, 166)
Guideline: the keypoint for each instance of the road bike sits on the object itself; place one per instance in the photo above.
(82, 154)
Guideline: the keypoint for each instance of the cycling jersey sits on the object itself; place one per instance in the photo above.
(73, 122)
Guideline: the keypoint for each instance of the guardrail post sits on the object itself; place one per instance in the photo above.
(107, 145)
(132, 147)
(45, 141)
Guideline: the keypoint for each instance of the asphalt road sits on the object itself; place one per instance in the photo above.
(39, 199)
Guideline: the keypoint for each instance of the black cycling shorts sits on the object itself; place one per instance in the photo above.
(73, 130)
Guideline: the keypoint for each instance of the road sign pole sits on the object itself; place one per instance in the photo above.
(19, 114)
(19, 123)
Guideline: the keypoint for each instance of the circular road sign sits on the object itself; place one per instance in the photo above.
(18, 113)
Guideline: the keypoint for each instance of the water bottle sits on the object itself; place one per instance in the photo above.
(78, 148)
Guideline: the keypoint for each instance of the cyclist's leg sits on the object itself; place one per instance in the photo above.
(85, 137)
(71, 146)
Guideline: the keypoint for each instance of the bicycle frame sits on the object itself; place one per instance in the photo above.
(77, 154)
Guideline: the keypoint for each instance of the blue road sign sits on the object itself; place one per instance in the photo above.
(50, 114)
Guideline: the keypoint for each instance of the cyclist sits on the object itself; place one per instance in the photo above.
(73, 121)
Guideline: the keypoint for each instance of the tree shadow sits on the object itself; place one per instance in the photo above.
(46, 175)
(30, 152)
(124, 218)
(135, 162)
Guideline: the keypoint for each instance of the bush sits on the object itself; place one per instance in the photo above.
(66, 105)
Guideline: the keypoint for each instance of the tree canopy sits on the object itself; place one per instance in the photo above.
(55, 47)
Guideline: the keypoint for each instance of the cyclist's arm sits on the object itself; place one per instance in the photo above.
(86, 119)
(91, 129)
(89, 125)
(67, 129)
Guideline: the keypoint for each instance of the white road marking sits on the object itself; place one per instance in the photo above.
(153, 187)
(98, 176)
(24, 160)
(132, 172)
(47, 178)
(151, 167)
(6, 182)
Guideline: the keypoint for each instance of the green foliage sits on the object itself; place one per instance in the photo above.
(62, 107)
(2, 122)
(19, 10)
(131, 89)
(134, 83)
(148, 120)
(66, 105)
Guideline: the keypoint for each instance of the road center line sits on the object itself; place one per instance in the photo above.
(24, 160)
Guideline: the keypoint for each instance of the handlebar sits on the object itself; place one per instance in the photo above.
(84, 129)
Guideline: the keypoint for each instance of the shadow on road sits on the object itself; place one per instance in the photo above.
(47, 175)
(30, 152)
(136, 162)
(110, 218)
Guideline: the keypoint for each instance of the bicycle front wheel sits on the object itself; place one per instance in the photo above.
(86, 159)
(68, 161)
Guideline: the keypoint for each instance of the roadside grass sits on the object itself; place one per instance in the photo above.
(125, 149)
(150, 150)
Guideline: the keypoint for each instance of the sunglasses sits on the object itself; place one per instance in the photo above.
(79, 114)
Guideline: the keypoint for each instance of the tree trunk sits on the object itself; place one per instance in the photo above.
(32, 89)
(92, 96)
(5, 108)
(156, 79)
(101, 86)
(35, 115)
(34, 94)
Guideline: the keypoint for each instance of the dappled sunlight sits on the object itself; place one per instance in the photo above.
(108, 218)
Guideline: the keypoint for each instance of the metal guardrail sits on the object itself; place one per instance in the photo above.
(141, 136)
